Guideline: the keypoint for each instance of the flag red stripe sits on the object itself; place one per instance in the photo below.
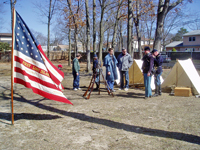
(31, 66)
(42, 93)
(35, 79)
(50, 73)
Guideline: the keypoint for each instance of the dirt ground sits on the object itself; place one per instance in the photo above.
(123, 122)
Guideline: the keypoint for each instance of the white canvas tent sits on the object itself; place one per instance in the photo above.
(183, 74)
(135, 74)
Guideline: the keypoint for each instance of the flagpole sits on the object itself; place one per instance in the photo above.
(12, 82)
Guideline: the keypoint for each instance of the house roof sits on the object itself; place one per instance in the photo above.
(194, 32)
(175, 44)
(6, 34)
(64, 46)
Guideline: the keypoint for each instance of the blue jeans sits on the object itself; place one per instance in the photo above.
(122, 79)
(110, 84)
(147, 84)
(76, 80)
(157, 79)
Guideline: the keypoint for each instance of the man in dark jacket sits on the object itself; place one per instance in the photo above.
(110, 63)
(147, 66)
(75, 72)
(158, 60)
(124, 63)
(96, 70)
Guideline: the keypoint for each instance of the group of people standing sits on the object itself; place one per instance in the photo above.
(152, 64)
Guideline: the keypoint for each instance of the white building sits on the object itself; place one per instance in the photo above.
(6, 38)
(144, 42)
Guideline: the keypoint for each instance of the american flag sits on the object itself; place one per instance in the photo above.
(31, 66)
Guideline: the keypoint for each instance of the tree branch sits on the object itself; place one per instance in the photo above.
(174, 5)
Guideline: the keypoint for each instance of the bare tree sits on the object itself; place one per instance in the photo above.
(69, 54)
(49, 13)
(129, 25)
(76, 16)
(120, 2)
(194, 21)
(94, 26)
(104, 9)
(141, 8)
(172, 21)
(40, 37)
(88, 35)
(164, 7)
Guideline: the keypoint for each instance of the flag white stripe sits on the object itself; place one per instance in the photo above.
(34, 73)
(30, 60)
(39, 86)
(51, 69)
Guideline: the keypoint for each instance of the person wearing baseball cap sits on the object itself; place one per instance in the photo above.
(75, 72)
(158, 60)
(147, 66)
(60, 66)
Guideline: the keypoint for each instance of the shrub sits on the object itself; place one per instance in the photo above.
(173, 50)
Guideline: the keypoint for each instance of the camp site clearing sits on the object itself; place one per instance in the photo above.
(123, 122)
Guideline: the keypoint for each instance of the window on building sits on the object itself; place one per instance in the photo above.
(192, 38)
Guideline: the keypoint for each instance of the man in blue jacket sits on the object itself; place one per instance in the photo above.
(158, 60)
(124, 63)
(147, 67)
(110, 63)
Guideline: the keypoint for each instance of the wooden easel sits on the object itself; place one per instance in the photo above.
(91, 85)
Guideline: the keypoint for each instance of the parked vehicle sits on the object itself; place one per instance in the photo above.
(166, 59)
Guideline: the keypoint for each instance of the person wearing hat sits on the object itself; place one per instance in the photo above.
(147, 66)
(75, 72)
(158, 60)
(59, 66)
(110, 62)
(124, 63)
(95, 68)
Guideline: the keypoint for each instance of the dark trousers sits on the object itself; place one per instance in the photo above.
(76, 80)
(122, 79)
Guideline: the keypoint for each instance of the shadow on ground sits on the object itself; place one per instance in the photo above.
(28, 116)
(109, 123)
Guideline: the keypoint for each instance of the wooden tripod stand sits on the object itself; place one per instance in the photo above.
(91, 85)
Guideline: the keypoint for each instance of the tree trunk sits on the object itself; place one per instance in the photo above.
(88, 35)
(108, 35)
(69, 55)
(115, 27)
(121, 36)
(163, 9)
(76, 40)
(129, 26)
(94, 26)
(139, 40)
(101, 31)
(101, 40)
(137, 21)
(48, 34)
